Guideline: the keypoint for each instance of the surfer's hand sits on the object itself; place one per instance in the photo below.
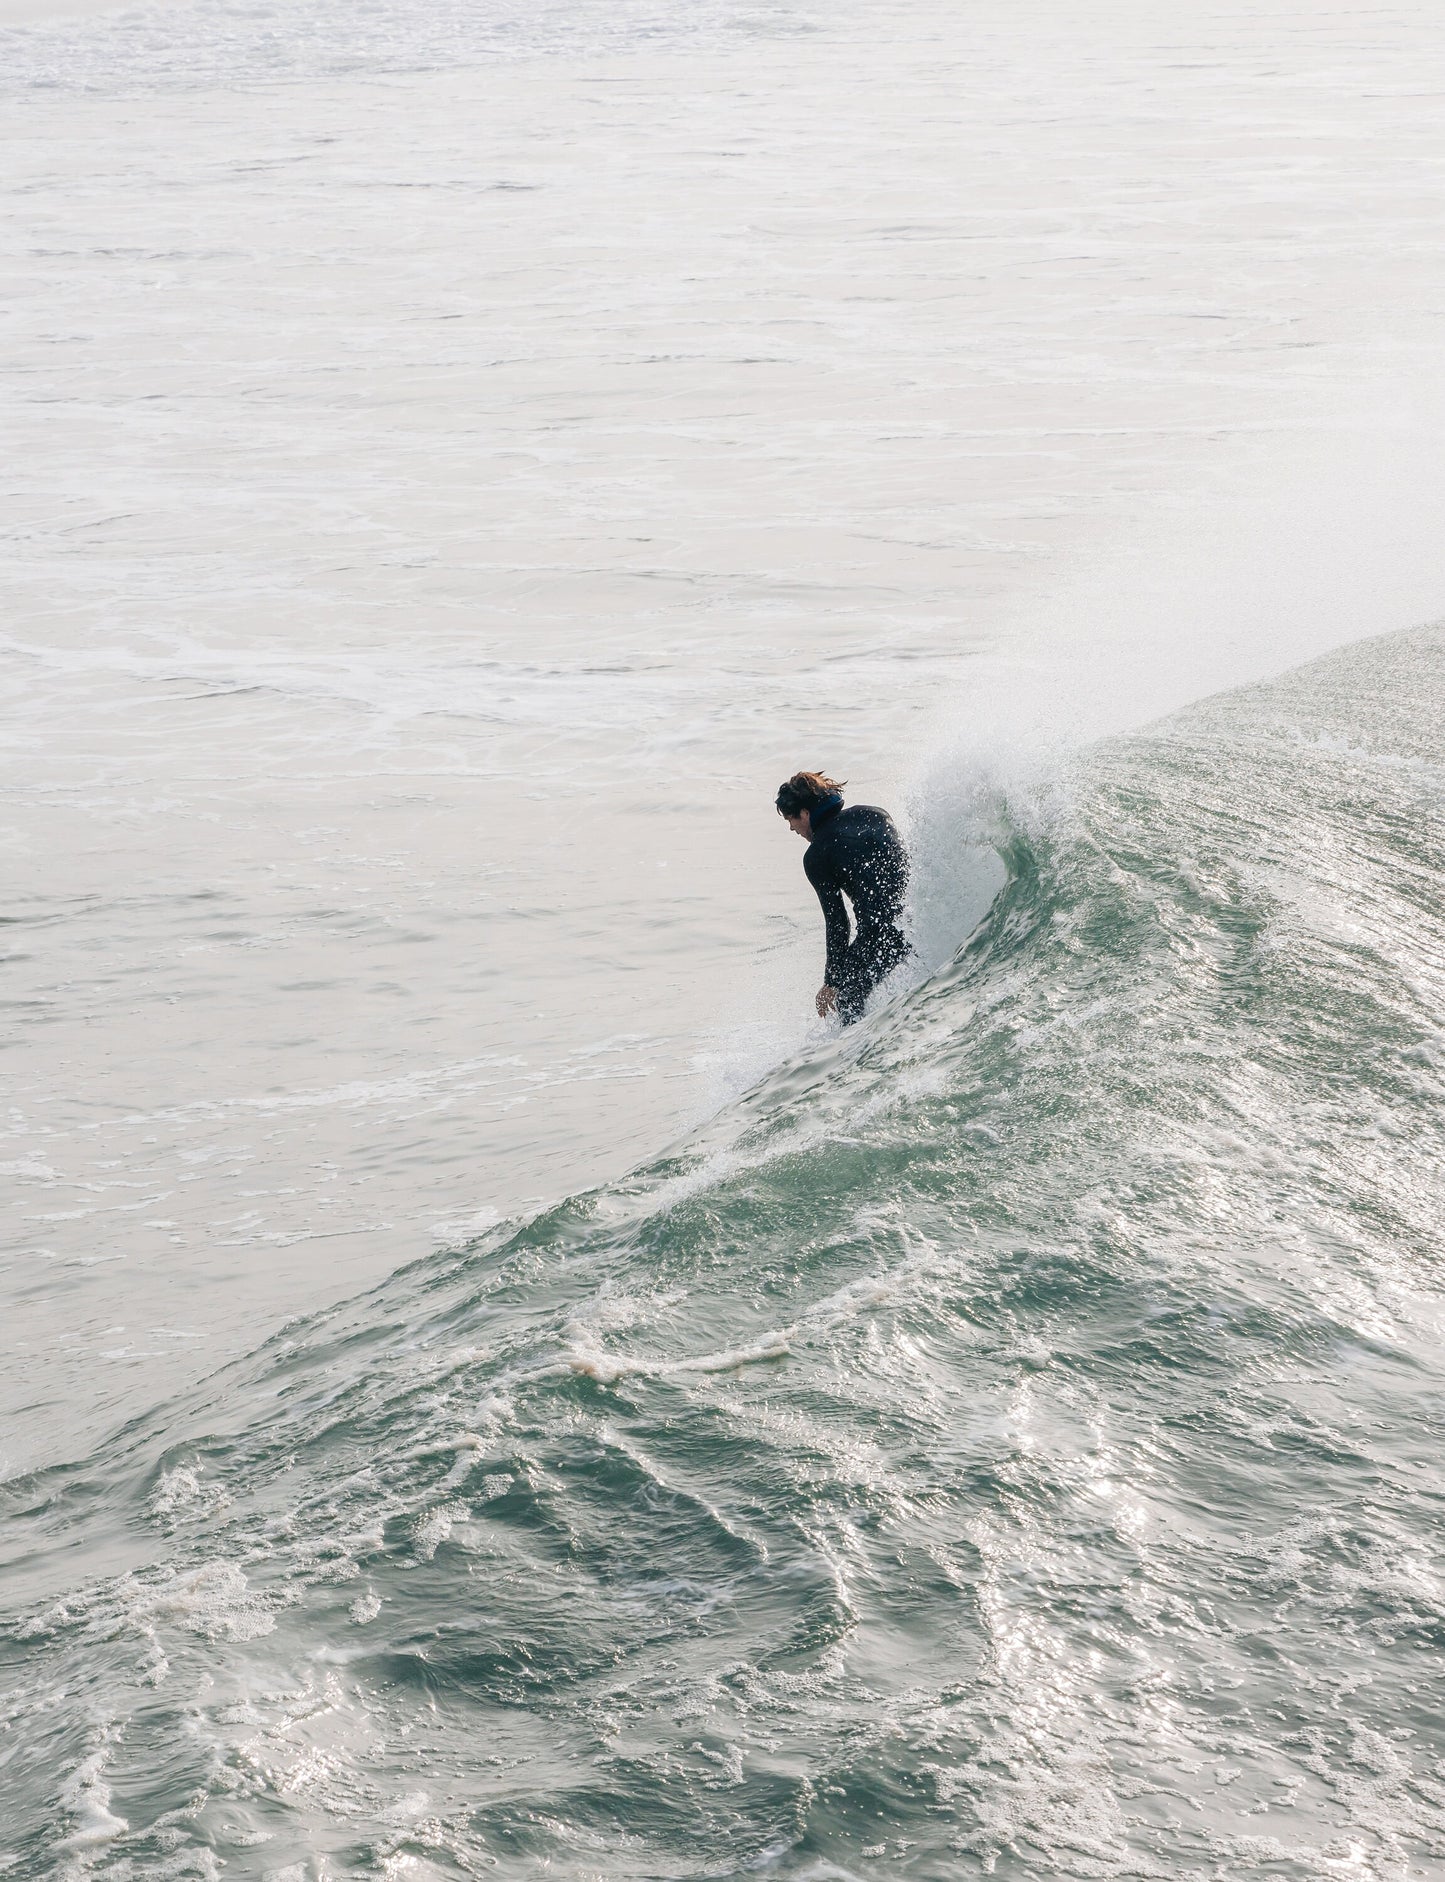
(826, 1001)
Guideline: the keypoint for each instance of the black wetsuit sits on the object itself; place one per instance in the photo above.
(858, 852)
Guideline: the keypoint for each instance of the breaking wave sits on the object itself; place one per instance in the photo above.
(1002, 1442)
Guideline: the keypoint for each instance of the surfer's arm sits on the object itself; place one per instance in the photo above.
(835, 924)
(835, 927)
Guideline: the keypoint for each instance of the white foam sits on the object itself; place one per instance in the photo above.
(408, 1808)
(434, 1526)
(30, 1170)
(463, 1443)
(608, 1368)
(215, 1600)
(180, 1492)
(86, 1797)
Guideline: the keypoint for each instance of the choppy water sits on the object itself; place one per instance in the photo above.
(1007, 1442)
(460, 459)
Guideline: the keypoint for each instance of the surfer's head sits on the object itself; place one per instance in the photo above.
(804, 795)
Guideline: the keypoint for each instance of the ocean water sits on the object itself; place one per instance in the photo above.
(1005, 1442)
(490, 1385)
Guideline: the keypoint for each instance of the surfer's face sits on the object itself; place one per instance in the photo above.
(801, 825)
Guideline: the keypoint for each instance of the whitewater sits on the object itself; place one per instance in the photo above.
(491, 1385)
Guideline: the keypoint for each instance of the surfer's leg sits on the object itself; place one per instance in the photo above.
(855, 983)
(864, 965)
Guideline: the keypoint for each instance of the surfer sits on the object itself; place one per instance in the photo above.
(858, 853)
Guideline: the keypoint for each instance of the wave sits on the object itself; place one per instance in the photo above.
(1002, 1442)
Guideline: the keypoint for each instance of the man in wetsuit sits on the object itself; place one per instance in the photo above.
(858, 853)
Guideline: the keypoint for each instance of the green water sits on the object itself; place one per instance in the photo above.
(1003, 1443)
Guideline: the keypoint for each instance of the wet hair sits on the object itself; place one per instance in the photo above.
(808, 790)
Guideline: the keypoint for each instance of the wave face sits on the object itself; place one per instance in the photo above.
(1008, 1445)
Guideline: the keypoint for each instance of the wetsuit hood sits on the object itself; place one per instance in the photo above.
(825, 811)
